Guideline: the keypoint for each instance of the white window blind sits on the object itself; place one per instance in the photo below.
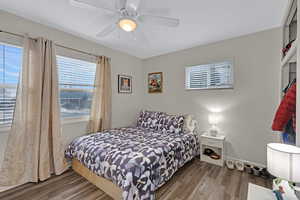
(210, 76)
(10, 65)
(76, 81)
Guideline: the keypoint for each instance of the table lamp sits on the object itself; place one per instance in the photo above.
(213, 120)
(283, 162)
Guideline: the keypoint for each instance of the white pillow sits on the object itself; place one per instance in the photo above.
(189, 124)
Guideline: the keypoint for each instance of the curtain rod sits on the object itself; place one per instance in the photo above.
(59, 45)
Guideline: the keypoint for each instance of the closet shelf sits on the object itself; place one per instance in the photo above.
(291, 55)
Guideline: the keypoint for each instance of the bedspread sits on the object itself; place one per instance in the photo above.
(138, 160)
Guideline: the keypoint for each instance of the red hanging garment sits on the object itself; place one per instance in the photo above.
(286, 110)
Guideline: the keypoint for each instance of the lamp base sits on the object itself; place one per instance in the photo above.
(213, 131)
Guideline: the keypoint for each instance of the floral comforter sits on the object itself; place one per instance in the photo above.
(138, 160)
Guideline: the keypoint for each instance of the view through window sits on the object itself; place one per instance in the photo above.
(76, 81)
(10, 65)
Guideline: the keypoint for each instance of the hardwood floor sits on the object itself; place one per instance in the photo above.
(195, 181)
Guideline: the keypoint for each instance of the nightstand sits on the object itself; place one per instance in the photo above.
(216, 144)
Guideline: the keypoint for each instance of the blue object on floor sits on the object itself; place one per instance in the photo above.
(278, 195)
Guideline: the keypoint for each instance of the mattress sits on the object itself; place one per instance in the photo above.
(138, 160)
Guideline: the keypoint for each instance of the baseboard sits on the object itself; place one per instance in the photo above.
(245, 161)
(3, 189)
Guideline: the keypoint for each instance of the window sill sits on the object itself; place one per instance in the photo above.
(73, 120)
(212, 88)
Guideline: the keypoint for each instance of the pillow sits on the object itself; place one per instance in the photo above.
(189, 124)
(171, 123)
(149, 119)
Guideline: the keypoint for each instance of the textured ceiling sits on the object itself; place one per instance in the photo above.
(201, 22)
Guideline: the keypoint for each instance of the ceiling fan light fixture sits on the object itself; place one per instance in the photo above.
(127, 25)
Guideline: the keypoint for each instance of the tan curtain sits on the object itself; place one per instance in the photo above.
(34, 150)
(100, 117)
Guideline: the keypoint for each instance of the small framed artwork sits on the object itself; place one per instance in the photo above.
(155, 82)
(124, 84)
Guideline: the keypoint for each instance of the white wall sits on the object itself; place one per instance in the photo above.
(124, 106)
(247, 110)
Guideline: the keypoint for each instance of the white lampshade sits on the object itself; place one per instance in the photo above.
(284, 161)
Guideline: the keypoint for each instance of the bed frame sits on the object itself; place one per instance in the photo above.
(105, 185)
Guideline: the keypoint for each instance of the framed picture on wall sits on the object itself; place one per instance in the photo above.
(155, 82)
(124, 84)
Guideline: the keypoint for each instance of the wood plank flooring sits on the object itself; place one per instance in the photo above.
(195, 181)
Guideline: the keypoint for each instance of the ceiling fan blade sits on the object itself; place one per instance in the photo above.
(155, 11)
(120, 4)
(157, 20)
(107, 30)
(92, 4)
(133, 5)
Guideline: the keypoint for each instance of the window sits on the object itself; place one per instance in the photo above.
(76, 81)
(209, 76)
(10, 65)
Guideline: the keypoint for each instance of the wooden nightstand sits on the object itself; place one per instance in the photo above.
(214, 143)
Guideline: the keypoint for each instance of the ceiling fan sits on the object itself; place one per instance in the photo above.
(128, 15)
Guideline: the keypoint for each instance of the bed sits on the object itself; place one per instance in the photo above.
(131, 163)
